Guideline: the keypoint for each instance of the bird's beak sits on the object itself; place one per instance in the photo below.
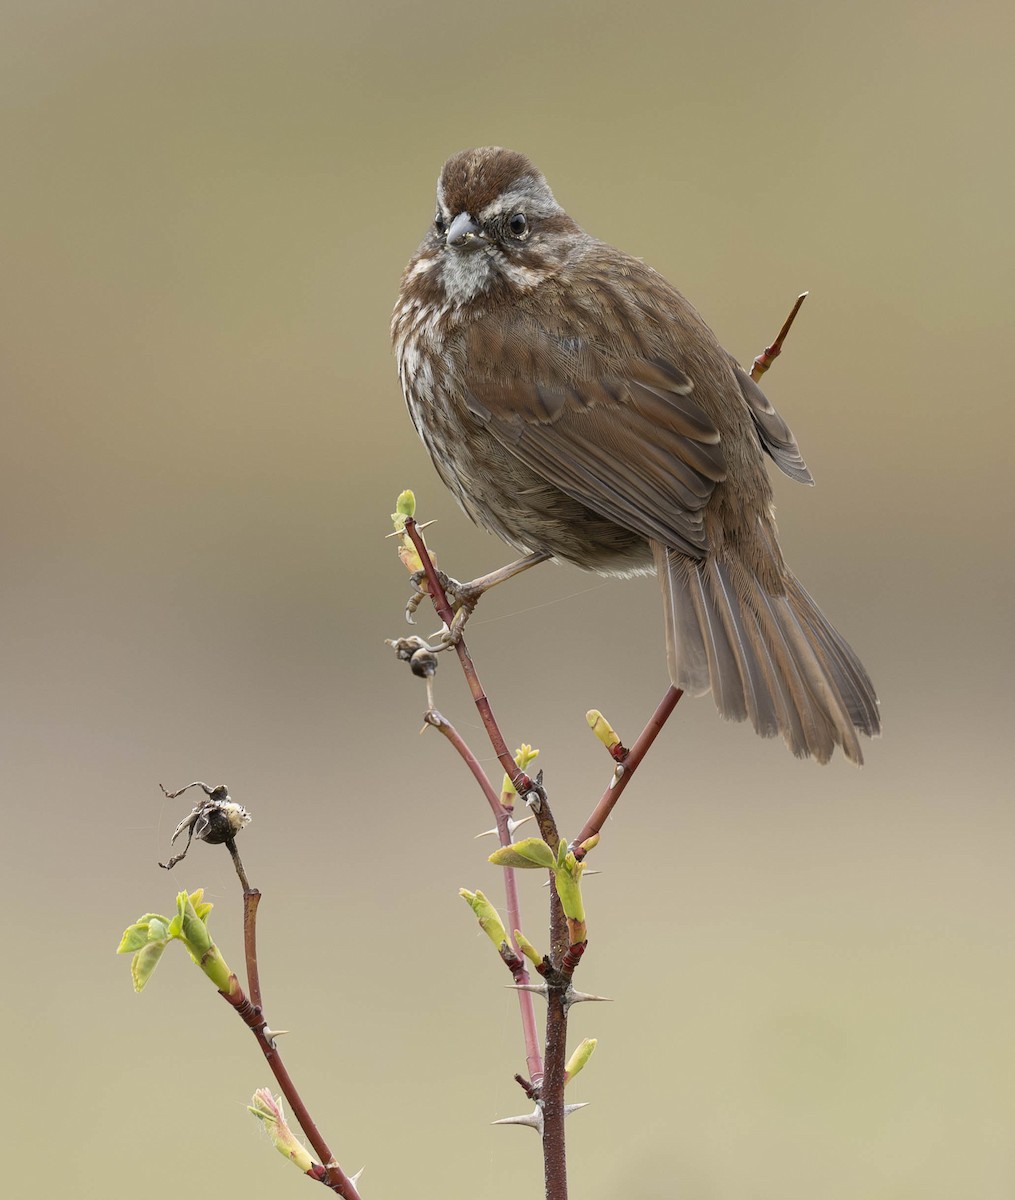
(463, 231)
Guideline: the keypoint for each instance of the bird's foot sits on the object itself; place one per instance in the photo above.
(461, 596)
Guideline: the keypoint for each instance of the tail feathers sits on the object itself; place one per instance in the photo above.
(773, 659)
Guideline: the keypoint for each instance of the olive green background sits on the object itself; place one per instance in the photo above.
(206, 208)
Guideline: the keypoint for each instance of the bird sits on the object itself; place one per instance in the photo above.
(578, 407)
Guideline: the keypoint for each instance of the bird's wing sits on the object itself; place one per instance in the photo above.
(617, 429)
(773, 432)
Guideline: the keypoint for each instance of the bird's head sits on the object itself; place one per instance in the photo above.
(498, 231)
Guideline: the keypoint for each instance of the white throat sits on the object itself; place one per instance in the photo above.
(466, 275)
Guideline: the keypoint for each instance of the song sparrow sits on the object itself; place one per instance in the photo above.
(577, 405)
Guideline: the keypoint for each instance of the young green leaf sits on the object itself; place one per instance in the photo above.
(488, 917)
(145, 961)
(582, 1054)
(527, 948)
(527, 854)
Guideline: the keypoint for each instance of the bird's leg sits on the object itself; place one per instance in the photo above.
(463, 597)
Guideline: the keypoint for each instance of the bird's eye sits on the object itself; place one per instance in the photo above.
(439, 224)
(518, 225)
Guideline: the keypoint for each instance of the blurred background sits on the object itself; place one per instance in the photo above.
(206, 210)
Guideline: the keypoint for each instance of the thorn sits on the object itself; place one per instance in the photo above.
(573, 997)
(512, 825)
(533, 1119)
(539, 988)
(401, 532)
(355, 1178)
(271, 1034)
(618, 772)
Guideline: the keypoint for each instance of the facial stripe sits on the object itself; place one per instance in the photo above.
(530, 198)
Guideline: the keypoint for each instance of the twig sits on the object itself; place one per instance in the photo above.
(629, 765)
(439, 722)
(771, 353)
(335, 1178)
(531, 791)
(523, 785)
(251, 1012)
(533, 1057)
(251, 899)
(234, 854)
(551, 1088)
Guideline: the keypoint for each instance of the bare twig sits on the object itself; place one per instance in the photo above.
(251, 899)
(771, 353)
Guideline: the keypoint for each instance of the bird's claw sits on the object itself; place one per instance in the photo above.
(422, 592)
(462, 597)
(452, 635)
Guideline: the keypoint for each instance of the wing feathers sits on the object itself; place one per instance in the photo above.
(620, 432)
(773, 432)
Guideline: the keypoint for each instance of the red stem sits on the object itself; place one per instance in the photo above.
(771, 353)
(252, 1013)
(634, 756)
(533, 1057)
(337, 1179)
(521, 782)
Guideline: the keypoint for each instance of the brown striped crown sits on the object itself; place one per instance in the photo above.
(472, 180)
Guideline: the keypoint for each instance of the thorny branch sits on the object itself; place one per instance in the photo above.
(327, 1170)
(533, 1057)
(547, 1085)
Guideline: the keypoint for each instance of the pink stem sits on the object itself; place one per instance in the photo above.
(533, 1057)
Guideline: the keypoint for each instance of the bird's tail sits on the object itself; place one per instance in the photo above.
(770, 657)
